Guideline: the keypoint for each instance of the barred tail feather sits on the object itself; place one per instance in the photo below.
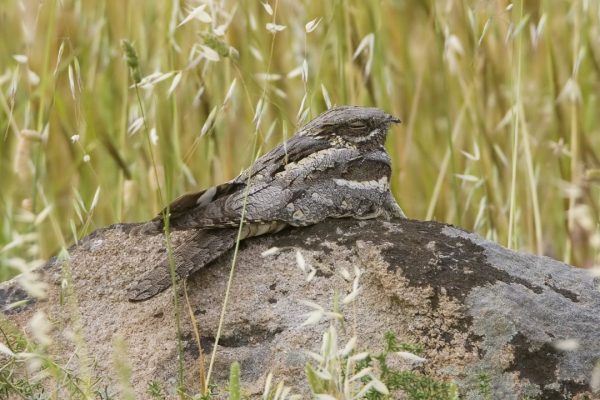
(202, 248)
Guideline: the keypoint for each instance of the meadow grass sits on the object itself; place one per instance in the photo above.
(499, 101)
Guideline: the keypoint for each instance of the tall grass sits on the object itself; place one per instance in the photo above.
(499, 100)
(501, 129)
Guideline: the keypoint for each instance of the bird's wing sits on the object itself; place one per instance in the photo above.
(221, 206)
(192, 201)
(292, 151)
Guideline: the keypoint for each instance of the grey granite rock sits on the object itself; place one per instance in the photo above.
(476, 308)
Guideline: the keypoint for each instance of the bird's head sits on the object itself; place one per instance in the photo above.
(357, 126)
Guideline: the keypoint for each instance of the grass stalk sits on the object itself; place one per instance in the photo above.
(574, 141)
(255, 152)
(196, 330)
(531, 179)
(516, 117)
(443, 169)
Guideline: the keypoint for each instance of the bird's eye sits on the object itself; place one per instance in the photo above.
(358, 125)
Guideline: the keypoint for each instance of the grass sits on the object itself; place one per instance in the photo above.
(499, 102)
(500, 133)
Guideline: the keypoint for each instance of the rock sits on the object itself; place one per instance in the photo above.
(483, 315)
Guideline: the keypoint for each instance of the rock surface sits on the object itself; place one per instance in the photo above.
(476, 308)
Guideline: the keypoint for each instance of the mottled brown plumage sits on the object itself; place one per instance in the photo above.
(334, 167)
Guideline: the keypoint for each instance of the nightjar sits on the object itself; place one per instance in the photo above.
(335, 166)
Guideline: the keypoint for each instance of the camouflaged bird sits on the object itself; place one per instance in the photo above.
(335, 166)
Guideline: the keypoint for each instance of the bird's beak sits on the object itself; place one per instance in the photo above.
(394, 120)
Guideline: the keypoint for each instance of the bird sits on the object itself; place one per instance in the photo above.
(335, 166)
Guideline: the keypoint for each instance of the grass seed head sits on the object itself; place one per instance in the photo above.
(131, 58)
